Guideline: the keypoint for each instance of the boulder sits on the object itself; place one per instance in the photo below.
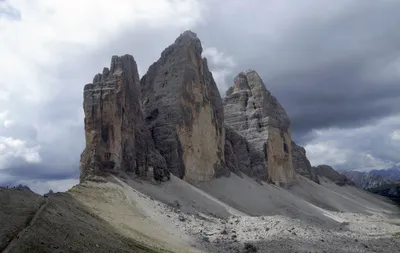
(117, 139)
(183, 111)
(254, 113)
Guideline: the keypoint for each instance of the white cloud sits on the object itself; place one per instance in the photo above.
(3, 115)
(221, 66)
(13, 149)
(31, 46)
(4, 95)
(218, 58)
(395, 135)
(325, 153)
(37, 38)
(373, 146)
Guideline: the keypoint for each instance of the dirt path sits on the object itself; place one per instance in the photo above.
(17, 238)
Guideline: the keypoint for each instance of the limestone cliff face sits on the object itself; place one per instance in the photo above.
(252, 111)
(183, 111)
(301, 164)
(237, 153)
(117, 139)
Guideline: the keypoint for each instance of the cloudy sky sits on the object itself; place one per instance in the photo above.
(334, 65)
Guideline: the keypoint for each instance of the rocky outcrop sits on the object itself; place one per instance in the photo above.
(117, 139)
(301, 164)
(331, 174)
(183, 111)
(252, 111)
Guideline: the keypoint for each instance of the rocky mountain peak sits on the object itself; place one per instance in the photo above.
(117, 140)
(125, 64)
(174, 119)
(189, 39)
(183, 111)
(240, 83)
(187, 42)
(252, 111)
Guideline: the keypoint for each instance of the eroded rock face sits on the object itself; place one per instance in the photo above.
(331, 174)
(183, 111)
(117, 139)
(237, 154)
(252, 111)
(301, 164)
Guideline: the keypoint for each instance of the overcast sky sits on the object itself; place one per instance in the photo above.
(333, 65)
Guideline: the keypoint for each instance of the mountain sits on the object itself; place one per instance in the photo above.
(366, 180)
(170, 166)
(373, 178)
(254, 113)
(390, 190)
(383, 182)
(328, 172)
(117, 138)
(183, 111)
(392, 174)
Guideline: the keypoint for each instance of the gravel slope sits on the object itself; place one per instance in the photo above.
(226, 215)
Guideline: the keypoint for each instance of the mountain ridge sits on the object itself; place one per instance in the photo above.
(170, 166)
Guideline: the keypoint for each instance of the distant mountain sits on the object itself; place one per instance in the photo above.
(391, 191)
(366, 180)
(392, 174)
(373, 178)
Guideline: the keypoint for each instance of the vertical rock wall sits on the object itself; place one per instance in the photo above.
(117, 139)
(252, 111)
(184, 112)
(174, 120)
(301, 164)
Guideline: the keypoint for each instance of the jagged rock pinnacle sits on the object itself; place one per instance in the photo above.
(184, 113)
(255, 114)
(117, 140)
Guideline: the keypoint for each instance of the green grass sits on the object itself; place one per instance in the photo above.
(397, 234)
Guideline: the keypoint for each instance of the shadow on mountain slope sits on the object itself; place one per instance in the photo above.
(64, 225)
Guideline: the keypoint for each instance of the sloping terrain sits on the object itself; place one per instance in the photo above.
(63, 225)
(330, 196)
(17, 208)
(229, 214)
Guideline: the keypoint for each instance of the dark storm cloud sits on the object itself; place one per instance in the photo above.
(327, 62)
(22, 131)
(61, 117)
(41, 171)
(322, 65)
